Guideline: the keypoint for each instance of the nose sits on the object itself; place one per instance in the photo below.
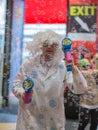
(49, 46)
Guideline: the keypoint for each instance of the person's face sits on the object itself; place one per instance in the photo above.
(85, 67)
(49, 49)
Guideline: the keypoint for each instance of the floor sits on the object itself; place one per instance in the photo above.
(7, 126)
(7, 121)
(8, 117)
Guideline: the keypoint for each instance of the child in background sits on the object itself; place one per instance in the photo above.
(88, 106)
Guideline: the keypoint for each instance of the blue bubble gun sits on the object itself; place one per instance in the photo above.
(28, 85)
(66, 47)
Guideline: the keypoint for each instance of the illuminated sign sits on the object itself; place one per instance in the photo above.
(45, 11)
(82, 18)
(82, 10)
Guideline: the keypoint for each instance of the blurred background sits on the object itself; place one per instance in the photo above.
(20, 20)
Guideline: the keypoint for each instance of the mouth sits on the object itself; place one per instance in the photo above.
(49, 51)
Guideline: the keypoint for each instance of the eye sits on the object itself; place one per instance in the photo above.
(54, 45)
(45, 45)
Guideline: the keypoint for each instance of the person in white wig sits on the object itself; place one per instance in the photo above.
(47, 69)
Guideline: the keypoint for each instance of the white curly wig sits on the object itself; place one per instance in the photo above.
(34, 47)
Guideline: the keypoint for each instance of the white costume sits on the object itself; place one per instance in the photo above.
(46, 110)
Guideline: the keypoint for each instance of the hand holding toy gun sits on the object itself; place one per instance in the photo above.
(28, 85)
(66, 47)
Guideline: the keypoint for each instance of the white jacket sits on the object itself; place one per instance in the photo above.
(46, 110)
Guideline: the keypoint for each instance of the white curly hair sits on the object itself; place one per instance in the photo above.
(39, 39)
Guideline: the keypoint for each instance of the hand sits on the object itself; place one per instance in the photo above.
(17, 93)
(31, 93)
(88, 90)
(69, 63)
(74, 69)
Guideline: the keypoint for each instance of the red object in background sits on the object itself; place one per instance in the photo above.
(91, 45)
(45, 11)
(82, 2)
(90, 49)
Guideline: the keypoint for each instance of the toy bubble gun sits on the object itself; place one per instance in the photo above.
(66, 47)
(28, 85)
